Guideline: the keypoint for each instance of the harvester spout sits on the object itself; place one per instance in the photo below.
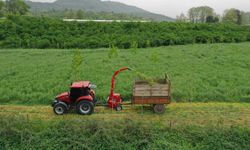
(113, 80)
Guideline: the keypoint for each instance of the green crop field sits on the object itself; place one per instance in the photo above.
(205, 55)
(199, 73)
(205, 72)
(201, 126)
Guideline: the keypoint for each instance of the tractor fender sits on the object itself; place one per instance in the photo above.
(64, 104)
(88, 98)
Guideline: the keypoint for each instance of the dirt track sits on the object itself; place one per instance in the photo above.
(217, 114)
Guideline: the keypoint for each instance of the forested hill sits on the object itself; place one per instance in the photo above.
(96, 6)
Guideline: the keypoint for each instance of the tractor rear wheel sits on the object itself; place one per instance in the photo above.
(159, 108)
(85, 107)
(59, 109)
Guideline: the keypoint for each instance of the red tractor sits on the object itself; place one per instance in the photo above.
(80, 97)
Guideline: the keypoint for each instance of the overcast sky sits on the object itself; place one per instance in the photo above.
(175, 7)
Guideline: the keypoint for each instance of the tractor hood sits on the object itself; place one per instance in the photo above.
(62, 95)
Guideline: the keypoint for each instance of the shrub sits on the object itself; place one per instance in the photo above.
(18, 31)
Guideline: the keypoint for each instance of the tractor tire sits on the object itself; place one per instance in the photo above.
(159, 108)
(59, 109)
(118, 108)
(85, 107)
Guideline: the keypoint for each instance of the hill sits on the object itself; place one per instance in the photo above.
(96, 6)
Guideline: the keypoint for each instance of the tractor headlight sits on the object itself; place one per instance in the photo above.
(53, 102)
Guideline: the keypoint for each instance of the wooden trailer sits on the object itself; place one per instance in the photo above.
(157, 94)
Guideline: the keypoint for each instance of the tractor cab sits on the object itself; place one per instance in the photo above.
(79, 89)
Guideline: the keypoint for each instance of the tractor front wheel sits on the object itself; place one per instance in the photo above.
(159, 108)
(118, 108)
(85, 108)
(59, 109)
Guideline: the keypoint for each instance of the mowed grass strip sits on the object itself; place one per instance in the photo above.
(199, 73)
(177, 114)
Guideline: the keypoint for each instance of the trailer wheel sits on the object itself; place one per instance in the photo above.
(59, 109)
(85, 108)
(159, 108)
(118, 108)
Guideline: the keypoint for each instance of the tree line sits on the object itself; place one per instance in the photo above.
(81, 14)
(13, 7)
(42, 32)
(206, 14)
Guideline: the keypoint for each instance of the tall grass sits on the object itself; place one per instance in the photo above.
(77, 65)
(19, 133)
(216, 72)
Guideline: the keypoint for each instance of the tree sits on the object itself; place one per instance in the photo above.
(79, 14)
(17, 7)
(69, 14)
(245, 19)
(212, 19)
(232, 16)
(204, 12)
(192, 14)
(181, 18)
(2, 5)
(200, 14)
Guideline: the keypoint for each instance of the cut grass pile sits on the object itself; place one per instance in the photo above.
(201, 73)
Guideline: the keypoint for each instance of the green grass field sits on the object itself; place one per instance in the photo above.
(216, 72)
(201, 126)
(212, 72)
(199, 73)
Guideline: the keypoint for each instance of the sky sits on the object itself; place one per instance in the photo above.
(173, 8)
